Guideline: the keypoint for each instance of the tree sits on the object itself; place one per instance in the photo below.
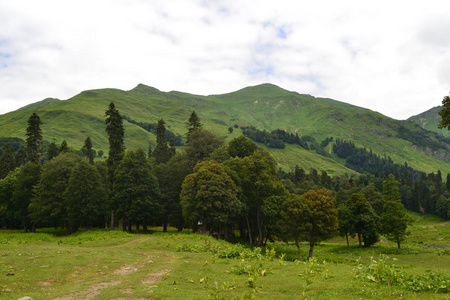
(209, 196)
(257, 180)
(394, 219)
(241, 147)
(321, 219)
(294, 213)
(8, 210)
(136, 189)
(193, 122)
(201, 144)
(115, 131)
(64, 148)
(85, 196)
(365, 220)
(445, 114)
(170, 178)
(49, 206)
(161, 153)
(28, 176)
(53, 151)
(345, 218)
(7, 162)
(34, 138)
(89, 152)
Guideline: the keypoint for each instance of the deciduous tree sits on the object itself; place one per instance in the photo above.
(209, 196)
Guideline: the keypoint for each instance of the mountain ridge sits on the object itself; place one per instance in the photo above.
(265, 106)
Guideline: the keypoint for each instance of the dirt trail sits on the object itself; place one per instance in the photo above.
(96, 289)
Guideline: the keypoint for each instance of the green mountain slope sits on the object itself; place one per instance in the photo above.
(264, 106)
(429, 120)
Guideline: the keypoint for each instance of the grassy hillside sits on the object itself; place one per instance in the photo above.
(264, 106)
(429, 120)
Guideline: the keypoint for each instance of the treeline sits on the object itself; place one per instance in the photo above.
(152, 127)
(209, 186)
(420, 192)
(274, 139)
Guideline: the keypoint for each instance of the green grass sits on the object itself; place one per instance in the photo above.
(105, 264)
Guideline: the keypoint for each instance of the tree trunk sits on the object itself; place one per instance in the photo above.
(112, 219)
(249, 231)
(260, 231)
(137, 227)
(398, 244)
(348, 244)
(311, 250)
(298, 248)
(165, 221)
(129, 226)
(144, 226)
(359, 240)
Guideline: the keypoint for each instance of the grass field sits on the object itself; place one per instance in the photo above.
(104, 264)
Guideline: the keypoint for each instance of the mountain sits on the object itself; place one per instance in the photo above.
(265, 107)
(429, 120)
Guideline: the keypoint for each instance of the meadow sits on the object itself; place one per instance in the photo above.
(112, 264)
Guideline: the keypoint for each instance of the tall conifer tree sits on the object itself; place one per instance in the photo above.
(161, 153)
(89, 152)
(115, 131)
(34, 138)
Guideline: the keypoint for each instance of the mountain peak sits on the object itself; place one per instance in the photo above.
(145, 89)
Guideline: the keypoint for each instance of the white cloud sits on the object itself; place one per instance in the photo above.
(388, 56)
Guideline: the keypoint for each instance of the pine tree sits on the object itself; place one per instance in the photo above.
(193, 123)
(64, 147)
(115, 131)
(89, 152)
(52, 151)
(34, 138)
(161, 153)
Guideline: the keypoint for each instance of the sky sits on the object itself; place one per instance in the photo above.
(389, 56)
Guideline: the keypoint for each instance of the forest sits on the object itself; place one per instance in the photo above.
(222, 189)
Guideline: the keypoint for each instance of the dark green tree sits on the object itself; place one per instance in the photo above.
(89, 152)
(53, 151)
(170, 177)
(394, 219)
(136, 189)
(294, 213)
(445, 113)
(257, 180)
(7, 161)
(162, 152)
(201, 144)
(115, 131)
(345, 218)
(8, 211)
(321, 221)
(28, 176)
(34, 138)
(64, 148)
(85, 197)
(209, 196)
(193, 122)
(241, 147)
(365, 220)
(49, 206)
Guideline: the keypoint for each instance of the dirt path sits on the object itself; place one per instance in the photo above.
(118, 276)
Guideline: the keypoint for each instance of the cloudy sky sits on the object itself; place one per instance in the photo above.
(389, 56)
